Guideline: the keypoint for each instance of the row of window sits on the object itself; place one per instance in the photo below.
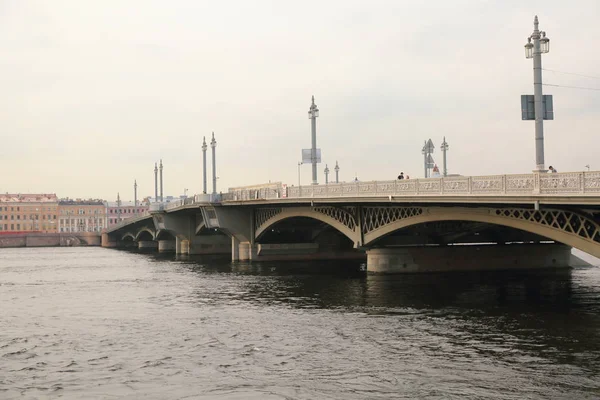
(31, 217)
(28, 208)
(125, 211)
(81, 211)
(26, 227)
(89, 229)
(80, 222)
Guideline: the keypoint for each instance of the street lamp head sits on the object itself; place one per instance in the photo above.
(544, 43)
(529, 48)
(313, 111)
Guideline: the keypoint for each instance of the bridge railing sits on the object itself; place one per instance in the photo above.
(568, 183)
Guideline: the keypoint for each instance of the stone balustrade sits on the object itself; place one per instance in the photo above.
(569, 184)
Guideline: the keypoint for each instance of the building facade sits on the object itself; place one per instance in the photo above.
(81, 216)
(121, 210)
(28, 213)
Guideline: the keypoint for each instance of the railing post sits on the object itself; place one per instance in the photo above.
(536, 182)
(417, 184)
(503, 184)
(441, 185)
(470, 185)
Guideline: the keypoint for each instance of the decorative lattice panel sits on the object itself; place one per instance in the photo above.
(344, 215)
(262, 215)
(376, 217)
(563, 220)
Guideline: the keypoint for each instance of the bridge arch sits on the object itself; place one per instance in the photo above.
(164, 234)
(341, 218)
(128, 236)
(565, 226)
(145, 234)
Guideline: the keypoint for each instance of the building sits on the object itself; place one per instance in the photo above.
(28, 213)
(118, 211)
(81, 215)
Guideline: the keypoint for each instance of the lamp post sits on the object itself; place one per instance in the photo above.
(326, 174)
(444, 147)
(135, 196)
(155, 182)
(337, 172)
(213, 146)
(299, 164)
(161, 181)
(313, 113)
(541, 44)
(204, 147)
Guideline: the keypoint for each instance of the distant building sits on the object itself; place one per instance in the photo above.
(81, 215)
(28, 213)
(117, 211)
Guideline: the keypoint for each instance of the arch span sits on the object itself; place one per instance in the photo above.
(128, 235)
(342, 219)
(568, 227)
(164, 234)
(144, 233)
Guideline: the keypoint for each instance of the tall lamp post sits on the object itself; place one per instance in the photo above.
(444, 147)
(541, 44)
(326, 174)
(299, 164)
(337, 172)
(313, 113)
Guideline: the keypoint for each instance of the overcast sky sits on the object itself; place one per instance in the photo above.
(94, 92)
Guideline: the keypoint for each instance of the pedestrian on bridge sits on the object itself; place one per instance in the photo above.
(401, 176)
(552, 169)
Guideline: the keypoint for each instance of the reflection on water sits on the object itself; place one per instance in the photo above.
(95, 322)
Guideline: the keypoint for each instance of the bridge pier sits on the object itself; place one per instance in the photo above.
(108, 241)
(209, 244)
(165, 246)
(147, 244)
(470, 257)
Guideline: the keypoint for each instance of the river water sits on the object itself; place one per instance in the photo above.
(93, 323)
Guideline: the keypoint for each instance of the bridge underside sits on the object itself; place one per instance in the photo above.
(392, 238)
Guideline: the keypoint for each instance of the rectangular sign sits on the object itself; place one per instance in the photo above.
(307, 156)
(528, 107)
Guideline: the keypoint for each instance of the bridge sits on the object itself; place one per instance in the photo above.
(499, 221)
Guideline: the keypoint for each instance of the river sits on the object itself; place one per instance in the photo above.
(79, 323)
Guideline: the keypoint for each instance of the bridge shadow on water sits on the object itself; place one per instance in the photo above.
(333, 284)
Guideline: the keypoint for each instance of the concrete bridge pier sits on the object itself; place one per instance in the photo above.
(182, 246)
(467, 258)
(165, 246)
(247, 251)
(108, 241)
(209, 244)
(147, 244)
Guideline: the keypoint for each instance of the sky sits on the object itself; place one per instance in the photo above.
(93, 93)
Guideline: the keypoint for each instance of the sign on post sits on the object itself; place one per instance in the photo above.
(307, 156)
(528, 107)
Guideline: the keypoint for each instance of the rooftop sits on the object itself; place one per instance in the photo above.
(31, 198)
